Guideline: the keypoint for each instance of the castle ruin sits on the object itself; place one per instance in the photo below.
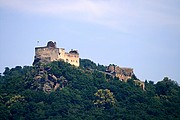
(124, 74)
(51, 53)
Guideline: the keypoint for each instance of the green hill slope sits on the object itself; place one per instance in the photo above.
(64, 92)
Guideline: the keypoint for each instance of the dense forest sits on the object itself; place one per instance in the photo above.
(60, 91)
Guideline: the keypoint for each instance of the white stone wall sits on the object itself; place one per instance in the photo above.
(55, 54)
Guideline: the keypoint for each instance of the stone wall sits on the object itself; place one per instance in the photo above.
(47, 52)
(140, 83)
(51, 53)
(72, 58)
(122, 73)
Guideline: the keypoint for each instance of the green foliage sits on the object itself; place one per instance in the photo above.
(104, 98)
(88, 64)
(85, 94)
(14, 99)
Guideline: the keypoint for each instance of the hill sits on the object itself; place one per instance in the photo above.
(59, 90)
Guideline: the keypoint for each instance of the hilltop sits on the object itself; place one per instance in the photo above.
(59, 90)
(50, 53)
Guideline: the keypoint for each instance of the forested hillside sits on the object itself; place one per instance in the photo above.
(60, 91)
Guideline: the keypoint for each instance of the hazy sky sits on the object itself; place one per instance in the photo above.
(141, 34)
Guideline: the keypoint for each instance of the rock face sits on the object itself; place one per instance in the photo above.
(122, 73)
(48, 82)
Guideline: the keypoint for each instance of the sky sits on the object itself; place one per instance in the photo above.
(140, 34)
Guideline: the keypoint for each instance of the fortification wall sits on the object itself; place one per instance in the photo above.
(61, 54)
(123, 77)
(124, 71)
(72, 58)
(47, 52)
(121, 73)
(140, 83)
(51, 53)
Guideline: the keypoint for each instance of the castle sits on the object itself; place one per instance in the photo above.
(122, 73)
(52, 53)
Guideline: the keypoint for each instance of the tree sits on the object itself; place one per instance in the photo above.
(104, 98)
(87, 94)
(166, 86)
(7, 70)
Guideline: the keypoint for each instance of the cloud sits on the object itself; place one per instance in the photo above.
(114, 13)
(57, 7)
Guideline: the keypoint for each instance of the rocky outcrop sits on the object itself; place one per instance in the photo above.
(48, 82)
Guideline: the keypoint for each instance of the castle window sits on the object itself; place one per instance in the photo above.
(67, 60)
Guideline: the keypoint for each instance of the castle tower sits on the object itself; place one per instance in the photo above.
(51, 44)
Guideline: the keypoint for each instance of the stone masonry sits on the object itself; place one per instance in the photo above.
(51, 53)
